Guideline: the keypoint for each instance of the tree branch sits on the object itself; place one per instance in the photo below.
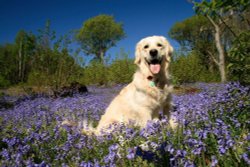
(213, 58)
(211, 20)
(230, 29)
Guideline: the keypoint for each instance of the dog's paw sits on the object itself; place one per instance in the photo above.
(173, 123)
(88, 132)
(69, 123)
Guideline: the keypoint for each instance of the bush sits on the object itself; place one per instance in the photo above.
(239, 67)
(95, 73)
(189, 68)
(120, 70)
(3, 82)
(184, 69)
(39, 79)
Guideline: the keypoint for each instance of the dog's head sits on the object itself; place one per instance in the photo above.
(153, 55)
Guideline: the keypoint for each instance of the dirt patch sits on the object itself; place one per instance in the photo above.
(180, 90)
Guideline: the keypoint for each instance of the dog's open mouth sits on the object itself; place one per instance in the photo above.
(154, 65)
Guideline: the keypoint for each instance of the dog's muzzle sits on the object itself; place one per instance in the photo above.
(154, 65)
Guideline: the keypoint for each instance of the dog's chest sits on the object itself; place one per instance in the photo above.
(151, 96)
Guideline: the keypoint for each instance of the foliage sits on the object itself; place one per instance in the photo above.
(215, 7)
(8, 69)
(189, 68)
(195, 34)
(239, 65)
(120, 70)
(95, 73)
(4, 82)
(98, 34)
(219, 14)
(25, 44)
(213, 131)
(41, 60)
(188, 31)
(15, 59)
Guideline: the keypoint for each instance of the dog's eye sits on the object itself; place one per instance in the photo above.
(146, 46)
(159, 45)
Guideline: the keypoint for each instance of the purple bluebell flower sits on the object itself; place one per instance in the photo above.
(131, 153)
(214, 115)
(222, 150)
(246, 158)
(214, 161)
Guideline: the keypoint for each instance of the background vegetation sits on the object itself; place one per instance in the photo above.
(213, 119)
(214, 46)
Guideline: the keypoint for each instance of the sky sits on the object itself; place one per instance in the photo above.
(140, 18)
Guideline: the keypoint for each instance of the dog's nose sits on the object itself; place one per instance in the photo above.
(153, 52)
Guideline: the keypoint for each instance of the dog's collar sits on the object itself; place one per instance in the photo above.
(152, 81)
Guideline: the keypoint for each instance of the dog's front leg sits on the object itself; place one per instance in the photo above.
(166, 112)
(144, 116)
(167, 106)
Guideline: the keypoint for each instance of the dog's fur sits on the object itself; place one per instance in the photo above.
(149, 92)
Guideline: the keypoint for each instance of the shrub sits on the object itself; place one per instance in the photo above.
(4, 82)
(189, 68)
(95, 73)
(120, 70)
(239, 66)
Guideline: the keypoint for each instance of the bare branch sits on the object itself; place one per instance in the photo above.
(211, 20)
(230, 29)
(213, 58)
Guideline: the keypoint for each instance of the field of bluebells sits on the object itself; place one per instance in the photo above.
(213, 131)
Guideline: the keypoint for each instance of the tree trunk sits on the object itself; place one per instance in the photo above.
(23, 71)
(100, 55)
(219, 46)
(221, 54)
(24, 65)
(20, 62)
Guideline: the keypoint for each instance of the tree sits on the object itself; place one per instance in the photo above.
(44, 59)
(219, 13)
(98, 34)
(53, 65)
(25, 44)
(207, 9)
(194, 34)
(8, 67)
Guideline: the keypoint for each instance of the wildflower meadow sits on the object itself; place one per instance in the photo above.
(64, 61)
(213, 130)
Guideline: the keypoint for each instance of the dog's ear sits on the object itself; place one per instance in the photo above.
(137, 54)
(168, 49)
(169, 52)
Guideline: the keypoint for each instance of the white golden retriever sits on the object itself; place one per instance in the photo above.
(150, 90)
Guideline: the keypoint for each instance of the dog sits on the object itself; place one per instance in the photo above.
(149, 91)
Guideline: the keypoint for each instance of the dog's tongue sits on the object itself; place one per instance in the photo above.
(155, 68)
